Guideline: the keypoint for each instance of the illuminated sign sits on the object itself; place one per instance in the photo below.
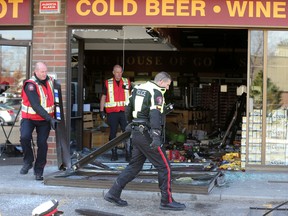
(270, 13)
(15, 12)
(49, 7)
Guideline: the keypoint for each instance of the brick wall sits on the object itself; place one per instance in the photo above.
(50, 46)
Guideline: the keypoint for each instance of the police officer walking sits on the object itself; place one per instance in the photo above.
(145, 113)
(115, 94)
(37, 112)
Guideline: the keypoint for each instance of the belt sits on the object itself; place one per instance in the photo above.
(140, 128)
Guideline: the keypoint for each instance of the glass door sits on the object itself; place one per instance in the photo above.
(14, 69)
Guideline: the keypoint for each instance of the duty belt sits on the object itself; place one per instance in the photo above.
(140, 128)
(139, 125)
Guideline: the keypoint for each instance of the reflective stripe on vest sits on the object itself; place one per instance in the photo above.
(114, 104)
(30, 110)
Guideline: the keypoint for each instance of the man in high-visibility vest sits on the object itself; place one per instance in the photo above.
(115, 94)
(37, 111)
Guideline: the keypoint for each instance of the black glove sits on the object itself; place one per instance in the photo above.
(156, 139)
(168, 108)
(156, 142)
(53, 123)
(102, 115)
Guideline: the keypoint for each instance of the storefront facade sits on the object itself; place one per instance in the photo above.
(52, 25)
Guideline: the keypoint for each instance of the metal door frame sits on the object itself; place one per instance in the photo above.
(79, 116)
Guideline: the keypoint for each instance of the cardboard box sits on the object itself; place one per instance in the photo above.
(93, 138)
(87, 116)
(99, 138)
(88, 124)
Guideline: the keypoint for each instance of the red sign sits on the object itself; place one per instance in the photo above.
(15, 12)
(242, 13)
(49, 7)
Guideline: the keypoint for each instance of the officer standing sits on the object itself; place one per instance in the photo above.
(145, 111)
(115, 94)
(37, 112)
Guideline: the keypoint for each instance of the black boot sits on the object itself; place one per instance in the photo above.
(168, 203)
(113, 195)
(173, 206)
(26, 167)
(114, 156)
(116, 200)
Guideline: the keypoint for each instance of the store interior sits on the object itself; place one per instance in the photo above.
(209, 71)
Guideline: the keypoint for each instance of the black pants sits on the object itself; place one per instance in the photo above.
(141, 151)
(114, 120)
(42, 130)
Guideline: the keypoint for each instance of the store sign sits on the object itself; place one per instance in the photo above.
(49, 7)
(204, 62)
(272, 13)
(15, 12)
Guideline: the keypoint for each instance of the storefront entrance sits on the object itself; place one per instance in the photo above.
(204, 61)
(211, 61)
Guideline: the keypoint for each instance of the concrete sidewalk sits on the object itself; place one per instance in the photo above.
(20, 194)
(269, 186)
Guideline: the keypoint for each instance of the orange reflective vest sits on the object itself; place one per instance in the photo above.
(116, 96)
(46, 96)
